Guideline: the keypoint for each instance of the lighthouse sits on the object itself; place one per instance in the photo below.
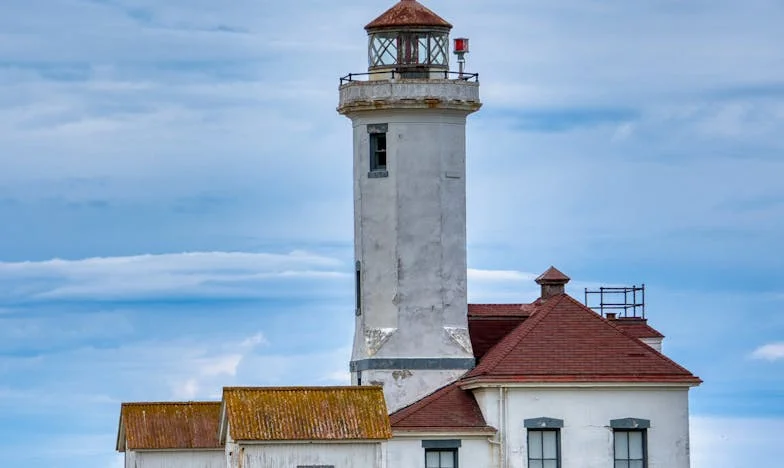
(408, 113)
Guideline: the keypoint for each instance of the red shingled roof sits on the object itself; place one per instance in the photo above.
(490, 323)
(408, 13)
(565, 341)
(161, 426)
(636, 327)
(448, 409)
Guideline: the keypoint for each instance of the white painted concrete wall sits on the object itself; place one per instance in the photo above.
(388, 90)
(407, 452)
(175, 459)
(586, 438)
(290, 455)
(410, 233)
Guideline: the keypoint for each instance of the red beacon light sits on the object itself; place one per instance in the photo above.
(461, 48)
(461, 45)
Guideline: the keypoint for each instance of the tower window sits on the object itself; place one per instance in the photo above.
(378, 149)
(358, 288)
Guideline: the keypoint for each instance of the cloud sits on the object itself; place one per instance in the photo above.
(499, 275)
(185, 275)
(770, 352)
(134, 126)
(727, 442)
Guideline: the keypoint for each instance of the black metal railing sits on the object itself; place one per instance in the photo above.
(622, 301)
(411, 74)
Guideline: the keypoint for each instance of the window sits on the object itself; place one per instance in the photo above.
(378, 152)
(441, 453)
(406, 48)
(544, 442)
(544, 448)
(358, 288)
(630, 442)
(440, 458)
(630, 448)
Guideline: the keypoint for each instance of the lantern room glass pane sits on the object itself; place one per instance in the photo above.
(438, 49)
(422, 51)
(383, 50)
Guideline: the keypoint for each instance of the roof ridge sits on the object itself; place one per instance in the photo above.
(500, 303)
(631, 338)
(515, 336)
(140, 403)
(304, 387)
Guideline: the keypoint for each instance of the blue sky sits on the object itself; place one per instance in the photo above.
(175, 190)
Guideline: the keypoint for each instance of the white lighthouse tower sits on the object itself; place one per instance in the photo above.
(409, 115)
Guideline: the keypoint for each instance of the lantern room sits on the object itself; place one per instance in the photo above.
(408, 39)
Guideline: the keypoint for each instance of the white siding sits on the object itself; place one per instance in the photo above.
(176, 459)
(586, 438)
(407, 452)
(290, 455)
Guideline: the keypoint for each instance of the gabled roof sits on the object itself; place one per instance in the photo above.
(304, 413)
(448, 409)
(565, 341)
(636, 327)
(407, 13)
(162, 426)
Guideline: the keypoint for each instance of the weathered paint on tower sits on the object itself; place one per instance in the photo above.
(409, 121)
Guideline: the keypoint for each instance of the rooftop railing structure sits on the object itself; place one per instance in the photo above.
(621, 302)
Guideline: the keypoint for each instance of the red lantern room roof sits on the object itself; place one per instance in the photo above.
(408, 13)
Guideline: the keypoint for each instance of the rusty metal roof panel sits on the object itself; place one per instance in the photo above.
(175, 425)
(408, 13)
(306, 413)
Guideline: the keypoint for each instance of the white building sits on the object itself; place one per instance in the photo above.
(549, 384)
(308, 427)
(170, 435)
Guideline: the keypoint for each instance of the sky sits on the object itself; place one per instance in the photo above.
(176, 205)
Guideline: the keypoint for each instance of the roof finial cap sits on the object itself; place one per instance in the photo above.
(552, 276)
